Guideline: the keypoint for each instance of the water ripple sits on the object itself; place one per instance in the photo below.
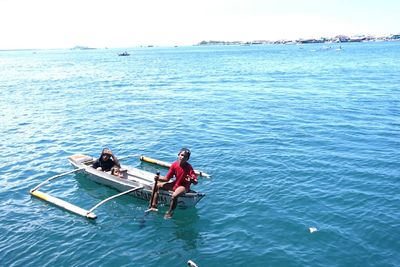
(293, 139)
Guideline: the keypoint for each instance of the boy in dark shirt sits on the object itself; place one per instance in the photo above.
(106, 161)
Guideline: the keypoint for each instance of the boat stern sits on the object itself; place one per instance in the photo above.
(79, 159)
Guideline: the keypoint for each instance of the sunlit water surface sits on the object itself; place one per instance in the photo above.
(294, 137)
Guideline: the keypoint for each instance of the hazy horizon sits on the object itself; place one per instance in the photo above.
(45, 24)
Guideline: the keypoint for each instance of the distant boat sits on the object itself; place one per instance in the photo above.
(124, 54)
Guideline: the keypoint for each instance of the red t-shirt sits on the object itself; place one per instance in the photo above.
(180, 173)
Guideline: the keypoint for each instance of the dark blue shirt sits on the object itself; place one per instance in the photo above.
(106, 165)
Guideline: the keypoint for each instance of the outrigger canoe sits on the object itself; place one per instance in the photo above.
(135, 182)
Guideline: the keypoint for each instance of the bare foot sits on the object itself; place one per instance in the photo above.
(151, 209)
(168, 215)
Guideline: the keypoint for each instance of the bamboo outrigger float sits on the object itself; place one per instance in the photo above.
(135, 182)
(59, 202)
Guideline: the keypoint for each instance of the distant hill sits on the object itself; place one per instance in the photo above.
(78, 47)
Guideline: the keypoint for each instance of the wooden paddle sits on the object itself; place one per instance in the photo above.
(154, 191)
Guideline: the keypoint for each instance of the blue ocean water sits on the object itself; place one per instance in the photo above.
(294, 137)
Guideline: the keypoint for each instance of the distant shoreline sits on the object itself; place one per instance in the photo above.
(336, 39)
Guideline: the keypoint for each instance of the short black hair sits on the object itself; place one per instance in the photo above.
(186, 150)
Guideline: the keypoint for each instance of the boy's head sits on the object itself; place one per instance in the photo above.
(106, 154)
(185, 153)
(106, 151)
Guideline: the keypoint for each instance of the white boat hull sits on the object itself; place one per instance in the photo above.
(134, 178)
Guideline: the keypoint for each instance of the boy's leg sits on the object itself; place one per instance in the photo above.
(160, 185)
(174, 201)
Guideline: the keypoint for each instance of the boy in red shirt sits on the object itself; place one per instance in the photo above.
(184, 176)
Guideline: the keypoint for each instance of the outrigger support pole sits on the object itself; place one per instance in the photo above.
(59, 202)
(54, 177)
(128, 157)
(114, 196)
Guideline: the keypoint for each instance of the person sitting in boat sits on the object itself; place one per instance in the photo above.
(184, 177)
(106, 161)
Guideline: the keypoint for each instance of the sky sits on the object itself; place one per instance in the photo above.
(31, 24)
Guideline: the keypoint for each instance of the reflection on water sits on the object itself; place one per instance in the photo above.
(185, 222)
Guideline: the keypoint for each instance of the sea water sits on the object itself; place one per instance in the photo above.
(302, 142)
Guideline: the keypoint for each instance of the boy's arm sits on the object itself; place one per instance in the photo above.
(169, 175)
(193, 176)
